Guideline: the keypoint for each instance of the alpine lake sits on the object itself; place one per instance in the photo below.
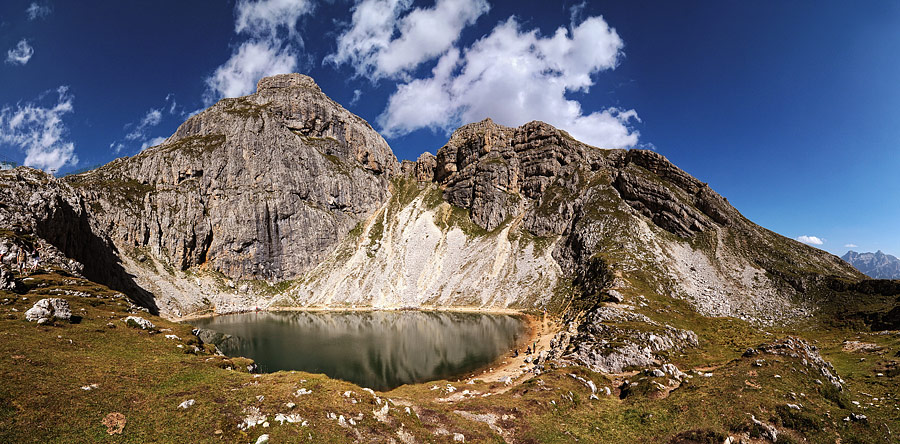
(375, 349)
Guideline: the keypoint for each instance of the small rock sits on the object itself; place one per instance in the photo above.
(263, 439)
(186, 404)
(459, 437)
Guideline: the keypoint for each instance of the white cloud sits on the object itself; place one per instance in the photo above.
(516, 76)
(268, 51)
(811, 240)
(36, 11)
(39, 131)
(151, 119)
(20, 54)
(252, 61)
(422, 34)
(851, 246)
(357, 94)
(170, 100)
(152, 142)
(263, 18)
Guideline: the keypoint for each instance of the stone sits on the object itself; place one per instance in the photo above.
(138, 322)
(186, 404)
(263, 439)
(46, 310)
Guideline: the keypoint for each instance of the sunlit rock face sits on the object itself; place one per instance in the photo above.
(256, 187)
(379, 350)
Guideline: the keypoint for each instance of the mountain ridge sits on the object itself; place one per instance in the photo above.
(283, 198)
(876, 265)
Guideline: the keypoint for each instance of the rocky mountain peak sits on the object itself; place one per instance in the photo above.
(286, 81)
(240, 187)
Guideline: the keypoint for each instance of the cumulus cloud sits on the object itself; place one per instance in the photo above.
(39, 131)
(851, 246)
(263, 18)
(36, 11)
(811, 240)
(379, 43)
(271, 48)
(20, 54)
(515, 76)
(252, 61)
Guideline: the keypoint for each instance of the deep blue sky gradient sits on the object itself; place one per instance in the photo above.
(791, 110)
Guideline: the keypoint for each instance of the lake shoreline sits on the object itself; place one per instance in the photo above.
(427, 308)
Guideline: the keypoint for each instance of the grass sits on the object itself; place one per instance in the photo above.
(144, 375)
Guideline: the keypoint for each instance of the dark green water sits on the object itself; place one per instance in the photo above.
(380, 349)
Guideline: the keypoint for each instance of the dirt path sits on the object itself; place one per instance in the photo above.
(541, 331)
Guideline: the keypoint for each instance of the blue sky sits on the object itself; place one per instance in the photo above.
(791, 110)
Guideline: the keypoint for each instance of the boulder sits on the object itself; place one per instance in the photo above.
(46, 310)
(138, 322)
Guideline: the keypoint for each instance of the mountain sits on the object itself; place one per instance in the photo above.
(876, 265)
(283, 199)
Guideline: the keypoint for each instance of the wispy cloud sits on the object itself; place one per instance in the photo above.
(36, 11)
(515, 76)
(271, 47)
(151, 119)
(39, 131)
(20, 54)
(811, 240)
(357, 94)
(139, 131)
(851, 246)
(152, 142)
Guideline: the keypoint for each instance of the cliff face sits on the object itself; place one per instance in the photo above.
(255, 188)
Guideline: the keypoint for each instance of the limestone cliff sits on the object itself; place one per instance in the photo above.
(260, 187)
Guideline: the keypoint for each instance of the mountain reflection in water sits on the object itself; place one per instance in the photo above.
(380, 349)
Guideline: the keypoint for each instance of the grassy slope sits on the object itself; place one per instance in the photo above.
(145, 376)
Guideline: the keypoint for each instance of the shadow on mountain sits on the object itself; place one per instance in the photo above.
(70, 231)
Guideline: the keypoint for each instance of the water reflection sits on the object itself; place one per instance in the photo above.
(381, 350)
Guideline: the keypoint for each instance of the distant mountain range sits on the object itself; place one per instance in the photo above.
(876, 265)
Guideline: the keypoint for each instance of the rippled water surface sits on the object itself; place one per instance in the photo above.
(381, 349)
